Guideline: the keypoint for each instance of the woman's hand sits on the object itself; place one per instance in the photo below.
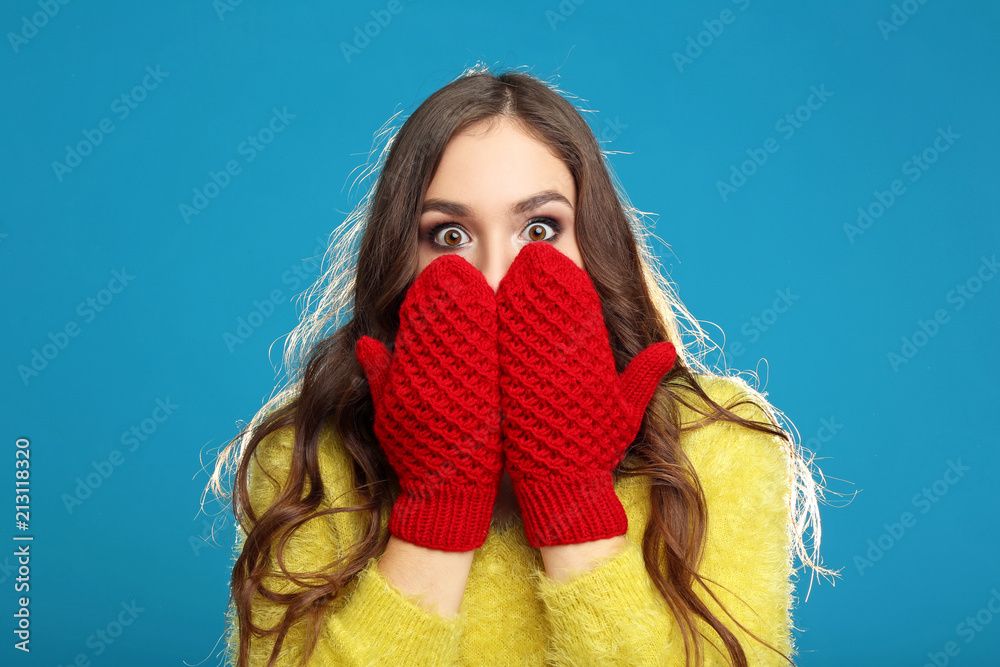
(567, 415)
(437, 407)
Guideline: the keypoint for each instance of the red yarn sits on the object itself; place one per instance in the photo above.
(437, 407)
(568, 416)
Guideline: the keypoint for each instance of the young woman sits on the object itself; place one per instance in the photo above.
(506, 454)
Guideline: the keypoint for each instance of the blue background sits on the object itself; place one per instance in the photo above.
(681, 127)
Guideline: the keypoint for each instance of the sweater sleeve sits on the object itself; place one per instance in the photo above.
(614, 615)
(374, 623)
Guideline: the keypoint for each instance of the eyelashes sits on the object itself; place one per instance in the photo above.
(430, 235)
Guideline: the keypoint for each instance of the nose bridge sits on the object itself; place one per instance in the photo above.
(496, 252)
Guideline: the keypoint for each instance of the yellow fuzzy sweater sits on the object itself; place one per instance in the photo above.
(513, 614)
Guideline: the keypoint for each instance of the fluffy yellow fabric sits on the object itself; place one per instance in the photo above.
(513, 614)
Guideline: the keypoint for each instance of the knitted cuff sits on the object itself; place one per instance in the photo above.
(570, 511)
(456, 518)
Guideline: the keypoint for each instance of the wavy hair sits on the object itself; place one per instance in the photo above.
(369, 264)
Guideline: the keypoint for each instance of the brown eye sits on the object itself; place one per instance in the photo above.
(537, 231)
(449, 237)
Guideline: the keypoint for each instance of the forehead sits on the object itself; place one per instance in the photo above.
(498, 161)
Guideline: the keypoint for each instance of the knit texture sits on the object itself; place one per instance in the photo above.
(567, 415)
(512, 614)
(437, 406)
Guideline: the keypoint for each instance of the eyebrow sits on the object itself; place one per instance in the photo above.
(523, 206)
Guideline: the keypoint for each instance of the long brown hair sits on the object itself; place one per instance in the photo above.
(361, 294)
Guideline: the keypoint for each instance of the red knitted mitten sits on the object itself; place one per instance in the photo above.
(567, 415)
(437, 407)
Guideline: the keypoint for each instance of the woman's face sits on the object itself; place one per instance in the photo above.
(491, 195)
